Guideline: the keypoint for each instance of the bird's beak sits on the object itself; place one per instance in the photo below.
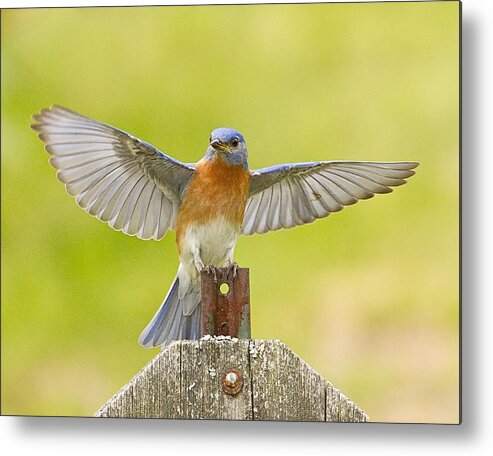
(218, 145)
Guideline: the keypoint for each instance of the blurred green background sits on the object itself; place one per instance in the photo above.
(367, 297)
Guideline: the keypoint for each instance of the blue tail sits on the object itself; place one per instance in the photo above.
(170, 323)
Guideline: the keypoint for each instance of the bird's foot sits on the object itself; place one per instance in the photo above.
(211, 270)
(233, 269)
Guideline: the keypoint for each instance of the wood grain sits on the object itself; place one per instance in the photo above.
(185, 381)
(285, 388)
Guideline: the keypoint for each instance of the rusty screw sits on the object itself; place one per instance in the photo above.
(232, 381)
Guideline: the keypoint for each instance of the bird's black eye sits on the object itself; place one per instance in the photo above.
(235, 141)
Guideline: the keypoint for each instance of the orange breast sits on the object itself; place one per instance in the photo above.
(217, 189)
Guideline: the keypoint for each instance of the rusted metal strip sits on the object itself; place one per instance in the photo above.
(226, 302)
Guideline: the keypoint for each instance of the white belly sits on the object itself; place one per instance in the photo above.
(213, 244)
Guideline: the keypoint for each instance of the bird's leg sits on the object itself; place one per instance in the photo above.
(199, 264)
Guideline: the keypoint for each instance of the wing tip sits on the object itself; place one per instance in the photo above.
(43, 136)
(412, 165)
(54, 108)
(40, 118)
(38, 121)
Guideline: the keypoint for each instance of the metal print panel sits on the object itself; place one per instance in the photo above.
(271, 294)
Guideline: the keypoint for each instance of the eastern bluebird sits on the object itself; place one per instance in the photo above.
(137, 189)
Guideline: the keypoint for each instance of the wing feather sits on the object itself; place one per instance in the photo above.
(262, 212)
(150, 222)
(124, 218)
(325, 195)
(99, 194)
(114, 176)
(139, 215)
(340, 193)
(348, 186)
(251, 212)
(286, 211)
(289, 195)
(371, 181)
(165, 216)
(275, 207)
(104, 206)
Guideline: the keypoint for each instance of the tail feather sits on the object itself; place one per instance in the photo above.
(170, 323)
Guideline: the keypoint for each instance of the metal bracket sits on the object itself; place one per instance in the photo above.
(226, 302)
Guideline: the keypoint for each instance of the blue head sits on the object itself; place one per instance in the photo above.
(229, 144)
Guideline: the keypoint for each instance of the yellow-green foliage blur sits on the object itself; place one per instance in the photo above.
(368, 297)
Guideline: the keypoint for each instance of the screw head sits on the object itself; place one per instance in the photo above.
(232, 381)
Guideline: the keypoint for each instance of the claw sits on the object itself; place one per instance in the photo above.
(234, 267)
(211, 270)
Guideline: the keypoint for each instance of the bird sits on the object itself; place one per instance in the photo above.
(137, 189)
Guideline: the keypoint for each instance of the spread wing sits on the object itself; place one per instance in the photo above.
(114, 176)
(285, 196)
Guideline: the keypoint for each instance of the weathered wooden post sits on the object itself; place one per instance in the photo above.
(224, 377)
